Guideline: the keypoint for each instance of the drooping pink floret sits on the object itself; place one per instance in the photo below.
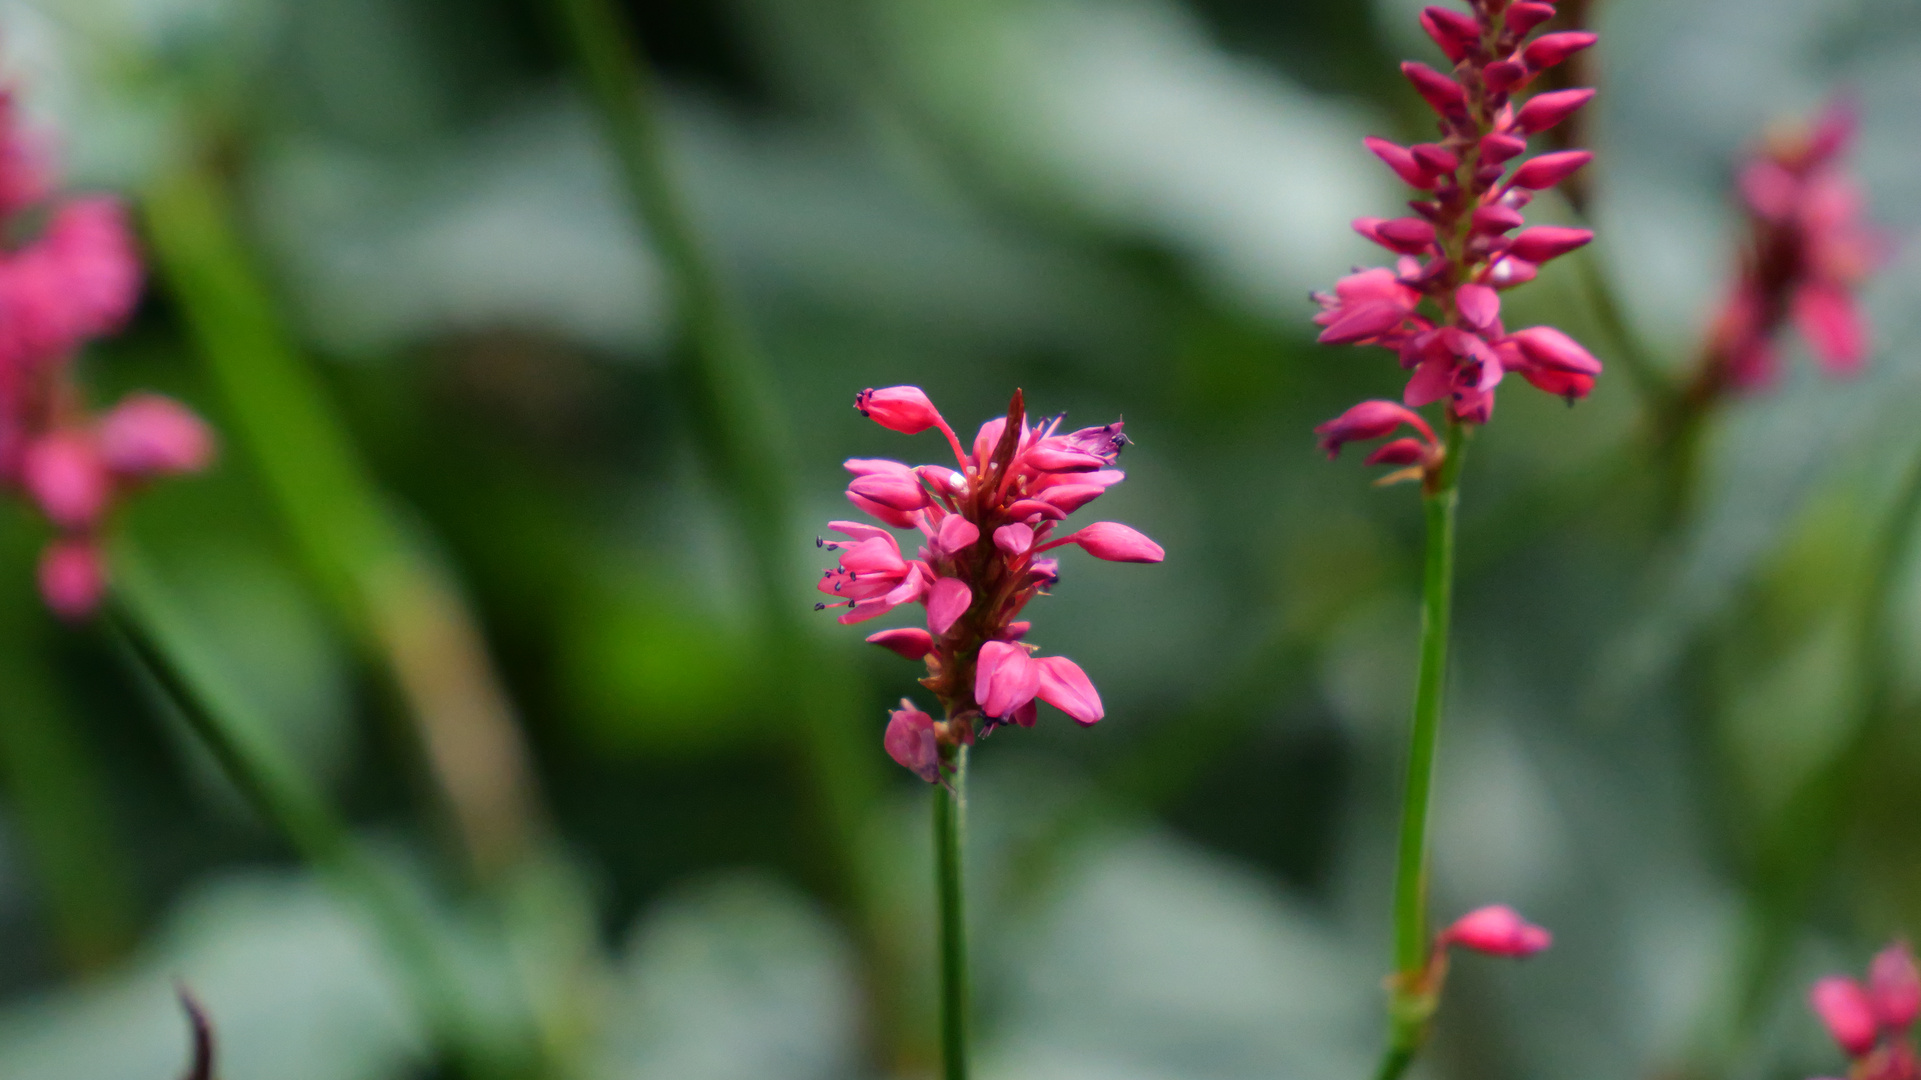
(1439, 308)
(1808, 252)
(1497, 930)
(987, 527)
(72, 274)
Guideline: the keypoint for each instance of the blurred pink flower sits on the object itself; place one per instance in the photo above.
(1808, 252)
(1497, 930)
(1439, 308)
(1870, 1022)
(987, 526)
(76, 278)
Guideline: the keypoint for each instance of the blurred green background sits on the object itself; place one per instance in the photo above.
(485, 558)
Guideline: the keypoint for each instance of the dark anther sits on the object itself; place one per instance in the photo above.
(820, 607)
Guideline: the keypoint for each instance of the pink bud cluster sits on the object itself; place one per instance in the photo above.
(1871, 1022)
(1808, 252)
(987, 528)
(76, 279)
(1439, 308)
(1494, 930)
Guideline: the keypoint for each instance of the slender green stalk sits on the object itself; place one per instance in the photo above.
(742, 434)
(402, 607)
(142, 617)
(1800, 841)
(950, 835)
(1411, 1003)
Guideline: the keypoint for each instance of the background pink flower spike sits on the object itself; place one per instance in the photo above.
(1845, 1008)
(1497, 930)
(1895, 986)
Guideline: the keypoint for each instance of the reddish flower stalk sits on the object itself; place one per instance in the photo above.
(988, 528)
(1871, 1023)
(1806, 256)
(76, 279)
(1439, 308)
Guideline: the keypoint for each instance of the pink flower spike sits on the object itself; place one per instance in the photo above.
(150, 435)
(1523, 17)
(911, 642)
(1441, 93)
(905, 409)
(1401, 160)
(1497, 930)
(1066, 687)
(910, 741)
(1543, 111)
(1014, 539)
(1844, 1006)
(1833, 324)
(72, 578)
(1005, 678)
(947, 601)
(1549, 169)
(1550, 49)
(1894, 986)
(1544, 242)
(65, 475)
(1114, 542)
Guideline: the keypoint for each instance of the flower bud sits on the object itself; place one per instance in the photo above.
(1550, 49)
(1550, 169)
(905, 409)
(65, 475)
(910, 741)
(72, 578)
(150, 435)
(1497, 930)
(1441, 93)
(910, 642)
(1543, 111)
(1895, 986)
(1115, 542)
(1544, 242)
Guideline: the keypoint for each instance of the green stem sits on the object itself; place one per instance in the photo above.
(1411, 1002)
(1657, 390)
(143, 619)
(950, 833)
(743, 437)
(1804, 834)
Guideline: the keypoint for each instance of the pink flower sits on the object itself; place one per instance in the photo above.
(72, 578)
(1870, 1023)
(1895, 986)
(1438, 309)
(1498, 931)
(988, 526)
(71, 273)
(1807, 254)
(1376, 420)
(910, 741)
(150, 435)
(1844, 1006)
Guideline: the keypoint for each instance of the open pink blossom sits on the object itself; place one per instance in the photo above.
(988, 528)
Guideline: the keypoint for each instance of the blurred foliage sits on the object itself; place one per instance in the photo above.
(405, 283)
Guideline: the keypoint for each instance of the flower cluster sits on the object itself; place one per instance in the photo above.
(1871, 1022)
(1808, 251)
(987, 528)
(1439, 308)
(75, 279)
